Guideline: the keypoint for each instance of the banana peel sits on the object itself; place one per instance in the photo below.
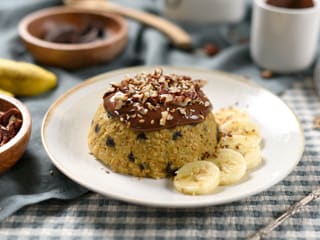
(25, 79)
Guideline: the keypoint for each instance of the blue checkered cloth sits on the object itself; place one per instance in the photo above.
(93, 216)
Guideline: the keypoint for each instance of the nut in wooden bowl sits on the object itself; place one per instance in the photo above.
(15, 131)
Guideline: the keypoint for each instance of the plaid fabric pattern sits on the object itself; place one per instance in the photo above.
(95, 217)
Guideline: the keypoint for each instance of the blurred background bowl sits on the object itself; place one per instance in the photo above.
(33, 27)
(205, 11)
(12, 151)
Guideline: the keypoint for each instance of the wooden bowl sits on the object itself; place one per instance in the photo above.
(33, 27)
(12, 151)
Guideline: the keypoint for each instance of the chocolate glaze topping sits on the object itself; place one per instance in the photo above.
(154, 101)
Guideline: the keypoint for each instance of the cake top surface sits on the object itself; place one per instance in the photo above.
(154, 101)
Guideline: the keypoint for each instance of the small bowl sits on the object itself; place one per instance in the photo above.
(12, 151)
(72, 55)
(207, 11)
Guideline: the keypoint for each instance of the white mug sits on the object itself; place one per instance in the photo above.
(205, 11)
(284, 40)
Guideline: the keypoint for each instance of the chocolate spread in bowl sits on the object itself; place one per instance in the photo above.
(154, 101)
(291, 3)
(72, 34)
(10, 124)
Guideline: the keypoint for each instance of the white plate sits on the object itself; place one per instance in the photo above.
(65, 128)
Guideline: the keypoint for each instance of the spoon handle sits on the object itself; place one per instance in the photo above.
(290, 212)
(177, 35)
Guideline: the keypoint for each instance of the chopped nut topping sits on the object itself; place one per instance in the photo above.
(182, 111)
(201, 83)
(163, 119)
(119, 100)
(150, 106)
(115, 84)
(166, 98)
(158, 99)
(110, 90)
(169, 117)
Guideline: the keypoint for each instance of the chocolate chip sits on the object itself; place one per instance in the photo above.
(176, 135)
(141, 166)
(110, 115)
(97, 128)
(131, 157)
(110, 142)
(170, 169)
(141, 136)
(205, 155)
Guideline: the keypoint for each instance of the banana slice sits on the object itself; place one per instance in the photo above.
(228, 114)
(235, 141)
(231, 164)
(247, 146)
(253, 157)
(197, 178)
(241, 127)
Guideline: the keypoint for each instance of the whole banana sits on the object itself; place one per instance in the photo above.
(4, 92)
(25, 79)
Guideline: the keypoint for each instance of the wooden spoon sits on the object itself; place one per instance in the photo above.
(178, 36)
